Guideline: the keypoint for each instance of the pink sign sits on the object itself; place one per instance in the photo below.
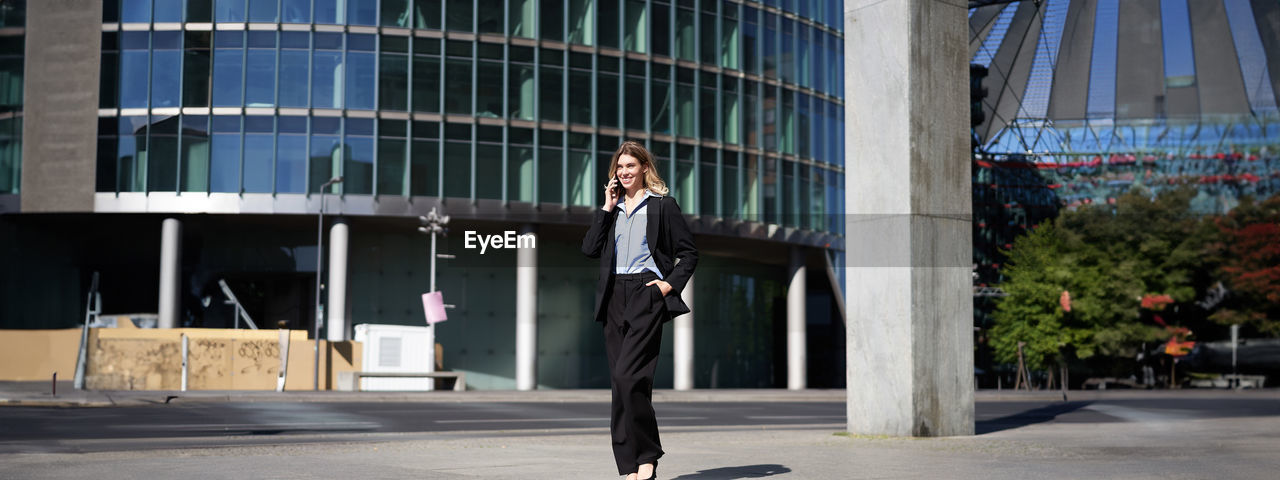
(433, 305)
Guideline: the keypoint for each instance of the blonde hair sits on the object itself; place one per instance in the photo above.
(651, 180)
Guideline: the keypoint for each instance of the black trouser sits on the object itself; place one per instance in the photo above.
(632, 335)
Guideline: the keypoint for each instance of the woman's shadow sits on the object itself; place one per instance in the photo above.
(729, 473)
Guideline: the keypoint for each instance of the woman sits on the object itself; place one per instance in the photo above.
(646, 257)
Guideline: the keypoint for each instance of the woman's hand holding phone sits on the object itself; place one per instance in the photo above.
(611, 194)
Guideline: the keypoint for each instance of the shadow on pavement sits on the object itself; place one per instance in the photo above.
(729, 473)
(1029, 417)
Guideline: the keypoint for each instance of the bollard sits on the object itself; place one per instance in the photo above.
(55, 384)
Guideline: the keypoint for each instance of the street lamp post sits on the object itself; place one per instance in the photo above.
(315, 382)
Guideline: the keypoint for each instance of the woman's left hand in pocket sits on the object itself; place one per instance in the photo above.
(663, 286)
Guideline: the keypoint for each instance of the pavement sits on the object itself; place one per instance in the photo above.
(1096, 434)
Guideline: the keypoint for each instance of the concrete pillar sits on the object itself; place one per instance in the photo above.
(527, 314)
(909, 298)
(338, 323)
(682, 338)
(170, 272)
(796, 358)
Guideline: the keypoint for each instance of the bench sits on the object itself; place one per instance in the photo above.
(350, 381)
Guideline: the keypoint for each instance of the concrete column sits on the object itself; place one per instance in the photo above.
(170, 272)
(527, 314)
(909, 298)
(796, 358)
(339, 238)
(682, 337)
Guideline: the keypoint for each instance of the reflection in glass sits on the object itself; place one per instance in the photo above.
(294, 65)
(260, 77)
(729, 41)
(227, 77)
(729, 201)
(136, 11)
(684, 110)
(685, 41)
(521, 19)
(457, 15)
(262, 10)
(259, 153)
(579, 173)
(683, 184)
(582, 22)
(228, 10)
(134, 76)
(636, 27)
(710, 49)
(331, 12)
(326, 79)
(291, 163)
(296, 11)
(362, 12)
(520, 91)
(770, 45)
(325, 158)
(750, 209)
(395, 13)
(707, 108)
(708, 187)
(162, 155)
(729, 110)
(361, 69)
(224, 163)
(165, 11)
(194, 164)
(165, 77)
(750, 38)
(607, 22)
(357, 166)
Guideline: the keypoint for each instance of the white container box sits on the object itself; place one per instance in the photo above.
(397, 349)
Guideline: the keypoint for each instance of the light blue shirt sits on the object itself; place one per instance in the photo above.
(630, 240)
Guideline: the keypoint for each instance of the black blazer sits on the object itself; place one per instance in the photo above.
(669, 241)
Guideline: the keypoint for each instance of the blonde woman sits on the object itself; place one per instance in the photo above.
(646, 257)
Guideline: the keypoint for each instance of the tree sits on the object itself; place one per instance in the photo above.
(1251, 266)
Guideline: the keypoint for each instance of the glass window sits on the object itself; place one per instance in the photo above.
(580, 104)
(729, 110)
(228, 69)
(607, 89)
(729, 201)
(259, 154)
(684, 107)
(816, 74)
(552, 15)
(521, 19)
(135, 69)
(426, 75)
(770, 45)
(392, 179)
(790, 204)
(395, 13)
(802, 119)
(296, 11)
(707, 107)
(393, 81)
(291, 155)
(579, 173)
(425, 168)
(357, 160)
(166, 80)
(685, 41)
(224, 156)
(607, 23)
(582, 22)
(708, 187)
(750, 206)
(550, 166)
(457, 161)
(489, 168)
(260, 70)
(162, 154)
(166, 11)
(802, 55)
(228, 10)
(661, 29)
(457, 97)
(361, 67)
(636, 27)
(196, 75)
(325, 156)
(194, 165)
(490, 16)
(520, 165)
(108, 78)
(710, 51)
(131, 153)
(770, 117)
(136, 11)
(787, 65)
(635, 104)
(295, 66)
(362, 13)
(262, 10)
(426, 14)
(750, 38)
(750, 114)
(458, 15)
(489, 90)
(551, 86)
(769, 190)
(330, 12)
(787, 128)
(729, 40)
(326, 71)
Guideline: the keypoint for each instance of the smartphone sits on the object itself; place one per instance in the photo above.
(617, 188)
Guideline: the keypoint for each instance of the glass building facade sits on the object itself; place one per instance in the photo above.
(518, 101)
(12, 19)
